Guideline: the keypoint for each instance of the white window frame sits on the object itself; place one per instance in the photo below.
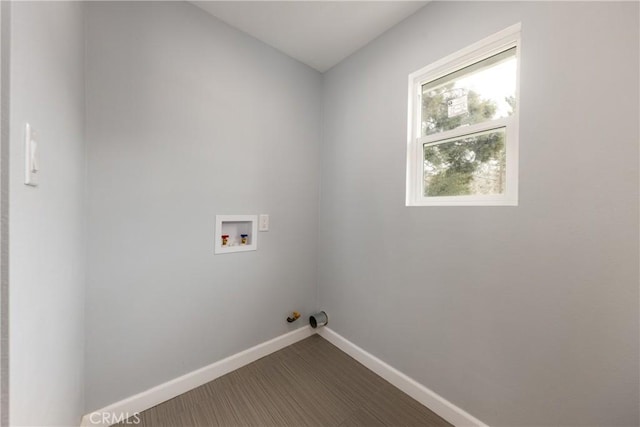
(492, 45)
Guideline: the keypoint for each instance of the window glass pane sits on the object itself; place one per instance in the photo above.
(471, 165)
(483, 91)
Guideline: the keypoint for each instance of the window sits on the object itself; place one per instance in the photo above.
(463, 126)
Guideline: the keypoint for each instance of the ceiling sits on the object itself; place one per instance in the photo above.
(317, 33)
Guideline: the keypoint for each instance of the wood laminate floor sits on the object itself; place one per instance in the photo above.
(310, 383)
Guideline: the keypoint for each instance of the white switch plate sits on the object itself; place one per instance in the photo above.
(31, 157)
(263, 222)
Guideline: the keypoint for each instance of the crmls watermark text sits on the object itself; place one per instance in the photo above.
(110, 418)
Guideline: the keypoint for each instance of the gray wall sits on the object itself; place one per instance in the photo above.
(5, 143)
(188, 118)
(524, 315)
(47, 223)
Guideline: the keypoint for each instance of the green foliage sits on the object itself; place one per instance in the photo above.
(435, 109)
(511, 100)
(450, 167)
(448, 184)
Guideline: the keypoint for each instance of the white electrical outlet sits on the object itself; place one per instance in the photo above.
(31, 157)
(263, 222)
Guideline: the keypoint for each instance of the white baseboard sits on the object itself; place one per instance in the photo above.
(130, 406)
(123, 409)
(430, 399)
